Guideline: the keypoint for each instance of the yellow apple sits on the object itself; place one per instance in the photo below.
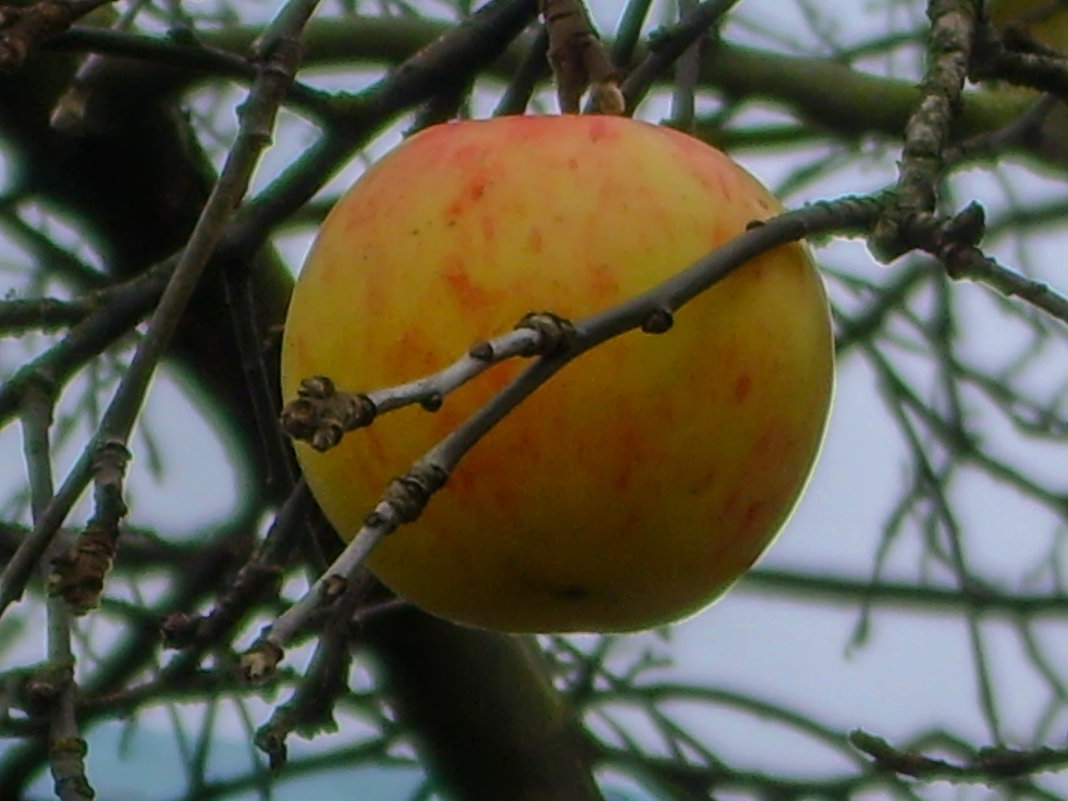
(642, 480)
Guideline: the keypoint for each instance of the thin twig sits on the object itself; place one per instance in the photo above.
(279, 51)
(927, 131)
(669, 45)
(67, 748)
(993, 765)
(193, 59)
(23, 29)
(687, 75)
(627, 34)
(533, 68)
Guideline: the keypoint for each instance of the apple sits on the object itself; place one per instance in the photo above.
(643, 479)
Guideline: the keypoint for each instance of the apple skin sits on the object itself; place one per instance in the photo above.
(644, 478)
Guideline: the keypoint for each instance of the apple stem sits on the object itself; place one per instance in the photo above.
(579, 59)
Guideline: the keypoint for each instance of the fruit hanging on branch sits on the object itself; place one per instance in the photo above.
(646, 476)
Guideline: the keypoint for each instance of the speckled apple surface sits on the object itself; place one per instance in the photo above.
(642, 480)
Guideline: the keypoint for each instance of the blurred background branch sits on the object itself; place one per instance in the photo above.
(952, 406)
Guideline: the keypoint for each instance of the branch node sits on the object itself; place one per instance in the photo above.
(46, 685)
(481, 351)
(273, 744)
(433, 402)
(22, 29)
(658, 321)
(260, 661)
(321, 415)
(408, 495)
(556, 334)
(78, 574)
(334, 587)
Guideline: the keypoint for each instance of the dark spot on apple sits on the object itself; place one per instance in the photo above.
(571, 592)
